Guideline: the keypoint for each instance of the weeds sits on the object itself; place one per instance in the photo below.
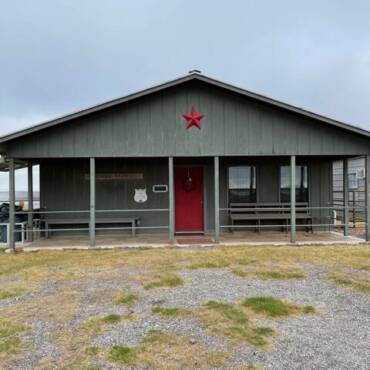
(125, 299)
(362, 286)
(122, 354)
(9, 336)
(169, 311)
(112, 318)
(233, 323)
(274, 307)
(165, 280)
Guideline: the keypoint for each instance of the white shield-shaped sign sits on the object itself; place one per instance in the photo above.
(140, 196)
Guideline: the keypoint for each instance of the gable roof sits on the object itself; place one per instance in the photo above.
(175, 82)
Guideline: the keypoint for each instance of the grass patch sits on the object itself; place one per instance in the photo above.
(210, 264)
(365, 268)
(92, 351)
(112, 318)
(165, 280)
(122, 354)
(161, 350)
(279, 275)
(5, 294)
(233, 323)
(274, 307)
(229, 311)
(268, 305)
(362, 286)
(270, 275)
(169, 311)
(308, 309)
(9, 336)
(125, 299)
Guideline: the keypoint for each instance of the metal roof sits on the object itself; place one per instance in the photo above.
(192, 76)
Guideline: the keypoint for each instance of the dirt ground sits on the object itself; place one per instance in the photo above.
(242, 307)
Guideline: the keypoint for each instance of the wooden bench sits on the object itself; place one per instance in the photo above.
(133, 221)
(267, 212)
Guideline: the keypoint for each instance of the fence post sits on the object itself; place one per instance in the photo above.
(11, 239)
(345, 198)
(92, 203)
(292, 200)
(217, 198)
(30, 201)
(171, 201)
(367, 196)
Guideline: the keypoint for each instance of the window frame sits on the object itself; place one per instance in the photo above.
(256, 173)
(308, 181)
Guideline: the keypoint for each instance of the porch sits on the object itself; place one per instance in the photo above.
(185, 201)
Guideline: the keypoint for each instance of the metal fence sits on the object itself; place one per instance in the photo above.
(321, 218)
(77, 222)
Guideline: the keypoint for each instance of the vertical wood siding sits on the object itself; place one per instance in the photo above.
(153, 126)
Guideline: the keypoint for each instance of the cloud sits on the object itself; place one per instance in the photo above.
(60, 56)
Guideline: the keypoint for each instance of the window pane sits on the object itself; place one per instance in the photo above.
(352, 181)
(242, 184)
(301, 184)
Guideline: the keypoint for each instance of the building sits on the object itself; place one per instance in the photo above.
(193, 155)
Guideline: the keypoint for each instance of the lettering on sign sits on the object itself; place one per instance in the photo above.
(116, 176)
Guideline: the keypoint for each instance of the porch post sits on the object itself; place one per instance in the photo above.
(345, 197)
(171, 201)
(30, 201)
(217, 198)
(367, 197)
(92, 203)
(292, 200)
(11, 239)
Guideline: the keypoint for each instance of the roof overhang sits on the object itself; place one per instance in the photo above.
(175, 82)
(4, 164)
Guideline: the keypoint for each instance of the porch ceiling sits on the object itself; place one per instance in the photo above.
(4, 164)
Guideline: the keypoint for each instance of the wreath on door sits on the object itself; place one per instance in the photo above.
(188, 183)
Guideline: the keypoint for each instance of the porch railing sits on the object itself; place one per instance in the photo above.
(41, 217)
(327, 213)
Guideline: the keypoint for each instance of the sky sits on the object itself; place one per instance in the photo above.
(60, 56)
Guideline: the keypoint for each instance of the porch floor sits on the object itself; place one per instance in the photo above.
(162, 240)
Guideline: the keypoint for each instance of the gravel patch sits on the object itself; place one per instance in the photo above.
(131, 333)
(46, 288)
(336, 337)
(38, 344)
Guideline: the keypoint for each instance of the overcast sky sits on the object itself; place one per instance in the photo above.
(59, 56)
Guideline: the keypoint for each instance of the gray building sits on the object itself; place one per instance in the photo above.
(193, 155)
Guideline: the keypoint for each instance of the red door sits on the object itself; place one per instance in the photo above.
(189, 199)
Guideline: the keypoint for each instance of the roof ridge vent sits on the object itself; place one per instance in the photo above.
(195, 71)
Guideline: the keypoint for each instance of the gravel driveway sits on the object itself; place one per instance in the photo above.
(337, 336)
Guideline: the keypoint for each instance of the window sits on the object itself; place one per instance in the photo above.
(301, 184)
(242, 184)
(352, 181)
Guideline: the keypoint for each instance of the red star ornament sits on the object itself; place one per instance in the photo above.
(193, 119)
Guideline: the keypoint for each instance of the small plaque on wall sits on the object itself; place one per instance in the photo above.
(160, 188)
(117, 176)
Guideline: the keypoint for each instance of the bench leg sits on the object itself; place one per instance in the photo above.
(133, 228)
(46, 232)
